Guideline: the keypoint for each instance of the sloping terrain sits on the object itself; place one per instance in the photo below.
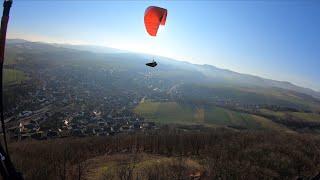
(141, 166)
(180, 92)
(174, 113)
(219, 153)
(12, 76)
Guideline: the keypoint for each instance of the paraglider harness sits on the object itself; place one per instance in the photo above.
(7, 169)
(152, 64)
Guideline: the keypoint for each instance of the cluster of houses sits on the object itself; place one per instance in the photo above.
(58, 102)
(79, 127)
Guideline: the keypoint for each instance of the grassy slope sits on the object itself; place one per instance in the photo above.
(172, 112)
(105, 167)
(169, 112)
(252, 95)
(307, 116)
(311, 117)
(286, 96)
(12, 76)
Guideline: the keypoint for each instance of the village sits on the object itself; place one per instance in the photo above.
(62, 118)
(53, 106)
(80, 124)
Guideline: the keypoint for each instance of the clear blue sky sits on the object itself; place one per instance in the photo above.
(278, 40)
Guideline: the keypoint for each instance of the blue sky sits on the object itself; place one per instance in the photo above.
(278, 39)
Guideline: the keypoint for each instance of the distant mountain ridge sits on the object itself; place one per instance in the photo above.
(210, 72)
(259, 81)
(96, 49)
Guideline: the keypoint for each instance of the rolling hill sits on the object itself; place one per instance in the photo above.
(205, 73)
(174, 113)
(179, 92)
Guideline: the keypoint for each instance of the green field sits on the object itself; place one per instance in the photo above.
(172, 112)
(310, 117)
(169, 112)
(307, 116)
(221, 116)
(13, 76)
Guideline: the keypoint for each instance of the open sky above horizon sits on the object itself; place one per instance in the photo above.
(278, 39)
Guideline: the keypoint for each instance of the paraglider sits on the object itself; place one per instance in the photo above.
(154, 17)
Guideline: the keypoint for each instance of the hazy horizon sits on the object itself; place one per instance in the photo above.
(124, 50)
(276, 40)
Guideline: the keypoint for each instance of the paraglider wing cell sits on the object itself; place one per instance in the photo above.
(153, 17)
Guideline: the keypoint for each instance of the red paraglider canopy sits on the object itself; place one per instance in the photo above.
(153, 17)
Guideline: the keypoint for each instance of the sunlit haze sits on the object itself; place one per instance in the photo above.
(277, 40)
